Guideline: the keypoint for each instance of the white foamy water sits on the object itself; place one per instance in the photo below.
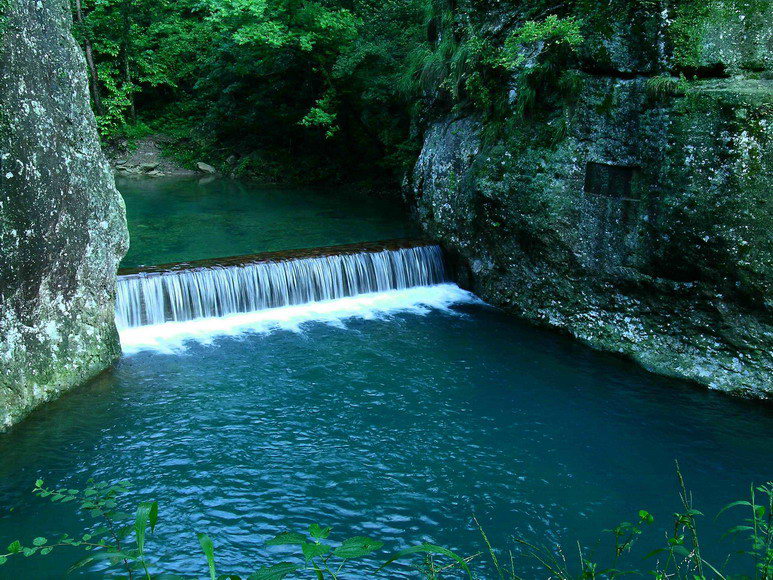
(173, 336)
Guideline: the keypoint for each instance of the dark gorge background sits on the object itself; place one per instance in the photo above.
(601, 167)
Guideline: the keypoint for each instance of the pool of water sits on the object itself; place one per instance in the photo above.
(396, 416)
(178, 219)
(397, 423)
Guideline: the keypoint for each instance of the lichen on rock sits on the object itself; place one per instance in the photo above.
(644, 227)
(62, 222)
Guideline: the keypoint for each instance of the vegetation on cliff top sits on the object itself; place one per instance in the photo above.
(285, 88)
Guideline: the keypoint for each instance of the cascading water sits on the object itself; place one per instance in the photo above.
(256, 283)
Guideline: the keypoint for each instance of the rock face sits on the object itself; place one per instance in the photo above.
(645, 227)
(62, 222)
(146, 159)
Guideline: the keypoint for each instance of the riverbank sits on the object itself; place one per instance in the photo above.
(145, 157)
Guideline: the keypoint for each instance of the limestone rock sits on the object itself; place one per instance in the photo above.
(62, 222)
(205, 168)
(636, 220)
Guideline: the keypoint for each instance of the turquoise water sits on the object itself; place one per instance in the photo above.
(399, 427)
(396, 416)
(178, 219)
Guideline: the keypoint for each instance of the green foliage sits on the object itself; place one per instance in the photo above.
(665, 85)
(323, 115)
(539, 54)
(272, 82)
(448, 66)
(137, 47)
(681, 556)
(552, 35)
(119, 543)
(289, 90)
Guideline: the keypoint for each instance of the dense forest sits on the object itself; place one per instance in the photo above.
(288, 88)
(261, 83)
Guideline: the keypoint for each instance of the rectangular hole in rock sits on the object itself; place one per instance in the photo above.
(615, 181)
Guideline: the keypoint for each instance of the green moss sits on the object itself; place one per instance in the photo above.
(704, 33)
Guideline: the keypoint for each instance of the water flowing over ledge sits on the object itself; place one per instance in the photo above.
(163, 307)
(242, 284)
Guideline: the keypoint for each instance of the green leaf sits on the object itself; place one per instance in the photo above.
(357, 547)
(14, 547)
(313, 550)
(682, 551)
(3, 560)
(124, 531)
(734, 504)
(318, 572)
(429, 549)
(97, 556)
(39, 541)
(287, 539)
(29, 551)
(46, 550)
(147, 512)
(39, 483)
(273, 572)
(736, 529)
(318, 532)
(209, 551)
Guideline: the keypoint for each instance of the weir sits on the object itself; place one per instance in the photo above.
(223, 286)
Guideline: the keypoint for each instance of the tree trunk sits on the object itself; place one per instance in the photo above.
(87, 48)
(126, 56)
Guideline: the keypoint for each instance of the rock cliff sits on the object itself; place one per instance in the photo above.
(62, 224)
(636, 217)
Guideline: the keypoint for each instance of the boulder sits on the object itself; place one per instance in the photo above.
(205, 168)
(62, 223)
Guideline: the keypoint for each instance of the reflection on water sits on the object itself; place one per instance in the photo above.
(177, 219)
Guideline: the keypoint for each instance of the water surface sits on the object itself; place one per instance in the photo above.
(177, 219)
(399, 427)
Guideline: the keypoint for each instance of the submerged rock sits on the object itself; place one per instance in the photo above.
(62, 222)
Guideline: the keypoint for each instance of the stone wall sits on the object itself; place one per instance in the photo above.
(645, 229)
(62, 222)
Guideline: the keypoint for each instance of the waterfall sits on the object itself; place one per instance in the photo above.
(239, 285)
